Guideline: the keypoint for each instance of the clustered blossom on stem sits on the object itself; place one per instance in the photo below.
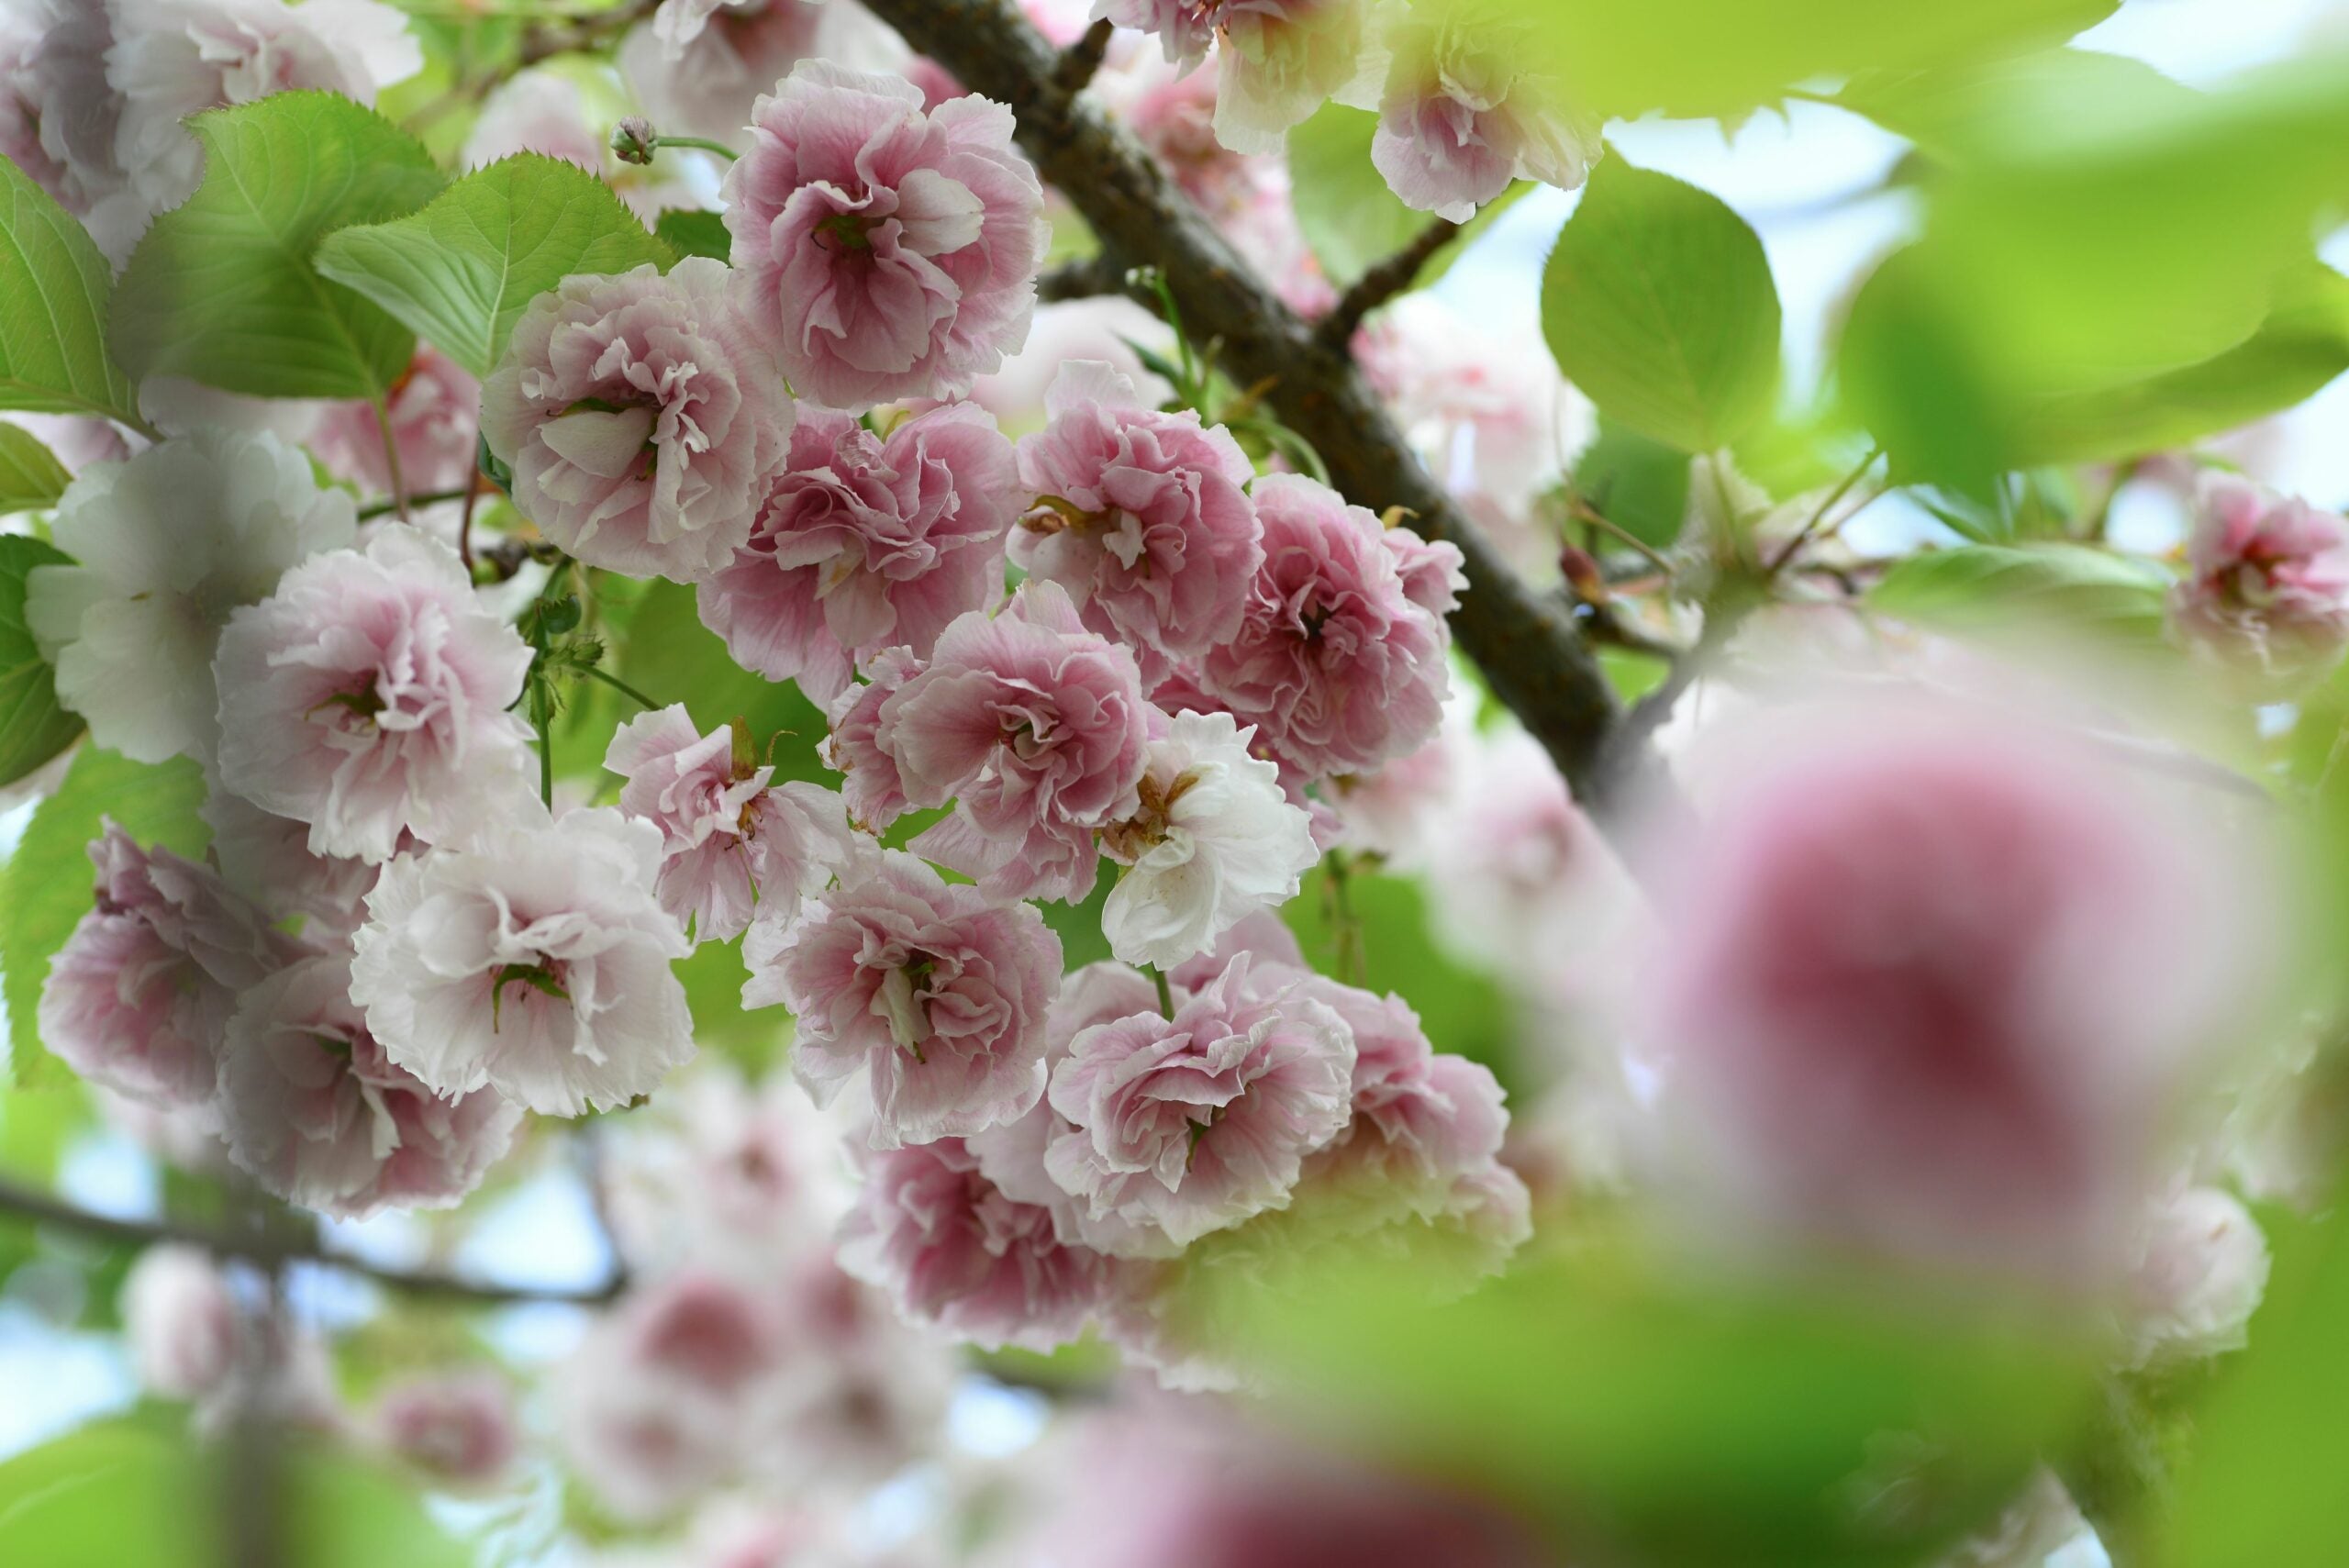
(2267, 594)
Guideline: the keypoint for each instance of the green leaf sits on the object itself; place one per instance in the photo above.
(1657, 301)
(2000, 591)
(753, 1039)
(1350, 221)
(33, 725)
(691, 233)
(460, 272)
(1639, 484)
(46, 886)
(31, 479)
(222, 290)
(667, 653)
(53, 284)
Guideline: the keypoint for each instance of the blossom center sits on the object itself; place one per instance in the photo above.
(545, 977)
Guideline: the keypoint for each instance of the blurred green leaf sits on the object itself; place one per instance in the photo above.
(1726, 57)
(222, 290)
(31, 479)
(460, 272)
(2024, 592)
(1657, 301)
(667, 653)
(690, 233)
(54, 287)
(753, 1039)
(34, 726)
(1962, 112)
(1636, 482)
(1350, 221)
(47, 885)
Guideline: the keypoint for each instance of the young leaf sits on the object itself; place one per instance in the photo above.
(30, 476)
(690, 233)
(54, 287)
(33, 727)
(222, 289)
(460, 272)
(1658, 302)
(46, 885)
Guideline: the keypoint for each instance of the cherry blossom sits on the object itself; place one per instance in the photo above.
(1462, 116)
(167, 544)
(1281, 59)
(642, 425)
(2267, 585)
(866, 543)
(873, 787)
(370, 696)
(459, 1428)
(184, 1324)
(535, 960)
(932, 992)
(891, 252)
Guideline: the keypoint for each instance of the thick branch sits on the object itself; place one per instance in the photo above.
(1525, 643)
(1087, 278)
(270, 1247)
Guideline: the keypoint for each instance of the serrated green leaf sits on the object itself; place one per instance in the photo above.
(31, 479)
(691, 233)
(1350, 219)
(53, 286)
(46, 886)
(459, 272)
(222, 290)
(33, 725)
(2003, 591)
(1657, 301)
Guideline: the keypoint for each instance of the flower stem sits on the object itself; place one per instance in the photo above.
(699, 144)
(622, 688)
(1165, 991)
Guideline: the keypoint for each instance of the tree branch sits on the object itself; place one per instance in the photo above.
(1525, 643)
(268, 1247)
(1383, 282)
(1083, 58)
(1088, 277)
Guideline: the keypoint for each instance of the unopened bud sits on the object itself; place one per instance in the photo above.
(632, 139)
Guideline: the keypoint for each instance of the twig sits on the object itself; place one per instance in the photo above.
(1583, 511)
(1087, 278)
(43, 1210)
(465, 521)
(1383, 282)
(390, 456)
(1802, 535)
(1083, 58)
(600, 673)
(423, 498)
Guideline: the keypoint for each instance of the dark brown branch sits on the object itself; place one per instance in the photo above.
(1525, 643)
(1083, 58)
(1383, 282)
(1087, 278)
(270, 1246)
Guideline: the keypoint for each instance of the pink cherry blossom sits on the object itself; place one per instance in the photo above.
(1034, 726)
(140, 993)
(1281, 59)
(185, 1328)
(952, 1249)
(2198, 1273)
(891, 252)
(933, 993)
(873, 789)
(1933, 983)
(433, 408)
(642, 425)
(706, 83)
(1188, 1125)
(458, 1427)
(267, 859)
(865, 544)
(737, 843)
(1186, 29)
(1462, 115)
(534, 959)
(1337, 662)
(1145, 520)
(368, 696)
(316, 1112)
(2267, 585)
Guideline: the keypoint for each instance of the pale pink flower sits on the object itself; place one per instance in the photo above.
(1933, 984)
(139, 995)
(874, 792)
(2267, 591)
(1281, 59)
(57, 83)
(434, 408)
(1034, 726)
(866, 543)
(174, 58)
(891, 252)
(458, 1427)
(934, 994)
(1263, 936)
(1103, 328)
(370, 696)
(737, 844)
(1337, 661)
(1145, 518)
(1188, 1125)
(1463, 114)
(1215, 840)
(535, 960)
(2199, 1271)
(951, 1249)
(707, 84)
(184, 1330)
(1185, 29)
(267, 859)
(642, 425)
(315, 1111)
(165, 546)
(23, 101)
